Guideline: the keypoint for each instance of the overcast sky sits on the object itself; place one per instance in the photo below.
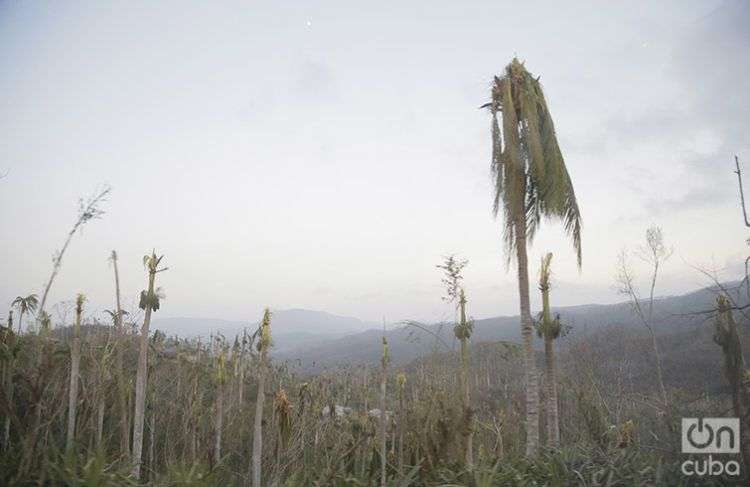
(325, 155)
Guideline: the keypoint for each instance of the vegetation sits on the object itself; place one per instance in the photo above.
(143, 408)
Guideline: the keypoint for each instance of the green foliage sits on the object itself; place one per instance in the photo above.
(531, 180)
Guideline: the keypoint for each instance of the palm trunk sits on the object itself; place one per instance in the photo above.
(530, 377)
(258, 425)
(383, 421)
(241, 372)
(121, 388)
(152, 443)
(20, 320)
(219, 423)
(9, 388)
(140, 384)
(553, 426)
(468, 429)
(75, 365)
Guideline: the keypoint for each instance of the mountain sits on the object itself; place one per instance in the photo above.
(674, 316)
(292, 328)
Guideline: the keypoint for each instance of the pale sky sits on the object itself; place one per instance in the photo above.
(325, 155)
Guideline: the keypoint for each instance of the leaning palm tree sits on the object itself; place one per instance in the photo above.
(87, 211)
(25, 305)
(549, 329)
(531, 182)
(149, 302)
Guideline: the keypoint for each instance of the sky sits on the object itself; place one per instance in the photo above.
(326, 155)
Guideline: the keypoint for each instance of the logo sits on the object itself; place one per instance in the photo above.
(709, 436)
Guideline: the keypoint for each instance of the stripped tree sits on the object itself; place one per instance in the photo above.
(122, 394)
(149, 302)
(462, 330)
(75, 368)
(264, 343)
(549, 329)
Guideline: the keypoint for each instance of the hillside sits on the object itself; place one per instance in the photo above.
(674, 318)
(293, 328)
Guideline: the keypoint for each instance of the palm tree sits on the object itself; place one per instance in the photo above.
(90, 210)
(264, 343)
(149, 302)
(531, 182)
(549, 329)
(75, 366)
(25, 305)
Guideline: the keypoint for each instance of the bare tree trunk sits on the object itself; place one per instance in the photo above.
(151, 444)
(140, 385)
(75, 365)
(264, 343)
(10, 392)
(383, 420)
(530, 378)
(8, 384)
(553, 421)
(219, 423)
(549, 334)
(20, 320)
(241, 374)
(258, 424)
(121, 388)
(468, 415)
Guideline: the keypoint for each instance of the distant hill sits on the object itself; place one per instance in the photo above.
(292, 328)
(673, 315)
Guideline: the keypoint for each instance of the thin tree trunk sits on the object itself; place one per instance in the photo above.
(553, 425)
(152, 444)
(258, 425)
(121, 388)
(9, 369)
(530, 377)
(75, 365)
(468, 427)
(241, 374)
(140, 384)
(383, 421)
(20, 321)
(219, 423)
